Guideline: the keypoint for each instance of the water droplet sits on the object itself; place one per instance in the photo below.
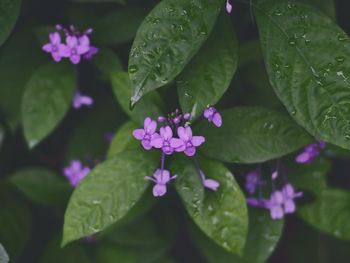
(131, 105)
(96, 202)
(277, 12)
(307, 41)
(340, 59)
(342, 37)
(294, 112)
(133, 69)
(292, 41)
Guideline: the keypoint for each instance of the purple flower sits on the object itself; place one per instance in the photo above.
(166, 141)
(213, 116)
(189, 142)
(289, 195)
(228, 6)
(92, 52)
(55, 47)
(147, 134)
(260, 203)
(76, 46)
(75, 172)
(80, 100)
(275, 205)
(311, 152)
(252, 181)
(161, 179)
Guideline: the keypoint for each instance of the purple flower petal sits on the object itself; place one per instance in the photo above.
(146, 144)
(55, 38)
(211, 184)
(190, 151)
(157, 142)
(159, 190)
(71, 41)
(138, 134)
(47, 47)
(75, 59)
(276, 212)
(217, 120)
(289, 206)
(228, 6)
(197, 140)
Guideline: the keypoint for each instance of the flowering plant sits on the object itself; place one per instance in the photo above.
(174, 131)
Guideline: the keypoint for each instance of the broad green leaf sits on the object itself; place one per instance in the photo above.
(19, 58)
(149, 106)
(262, 239)
(110, 253)
(93, 126)
(307, 59)
(42, 186)
(206, 78)
(221, 215)
(47, 98)
(4, 258)
(15, 223)
(167, 39)
(9, 10)
(73, 253)
(123, 139)
(326, 6)
(329, 213)
(107, 61)
(251, 135)
(107, 193)
(117, 27)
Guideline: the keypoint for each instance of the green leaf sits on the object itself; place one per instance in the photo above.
(9, 10)
(93, 126)
(167, 39)
(4, 258)
(46, 100)
(100, 1)
(307, 59)
(263, 236)
(251, 135)
(107, 193)
(206, 78)
(150, 106)
(330, 213)
(326, 6)
(19, 58)
(110, 253)
(42, 186)
(75, 252)
(123, 139)
(15, 223)
(221, 215)
(107, 61)
(116, 27)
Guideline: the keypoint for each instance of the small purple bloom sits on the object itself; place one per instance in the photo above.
(55, 47)
(252, 181)
(275, 205)
(92, 52)
(147, 134)
(76, 46)
(187, 116)
(189, 142)
(289, 195)
(311, 152)
(207, 183)
(165, 141)
(162, 119)
(228, 6)
(213, 116)
(161, 179)
(81, 100)
(75, 172)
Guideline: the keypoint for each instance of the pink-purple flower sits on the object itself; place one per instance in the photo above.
(212, 115)
(80, 100)
(252, 181)
(228, 6)
(161, 178)
(165, 141)
(311, 152)
(188, 142)
(147, 134)
(55, 47)
(77, 45)
(75, 172)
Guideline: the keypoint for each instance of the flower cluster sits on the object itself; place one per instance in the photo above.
(75, 172)
(175, 135)
(311, 152)
(76, 46)
(280, 203)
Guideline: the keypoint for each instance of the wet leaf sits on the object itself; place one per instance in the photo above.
(251, 135)
(47, 98)
(9, 10)
(107, 193)
(307, 59)
(167, 39)
(206, 78)
(4, 258)
(221, 215)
